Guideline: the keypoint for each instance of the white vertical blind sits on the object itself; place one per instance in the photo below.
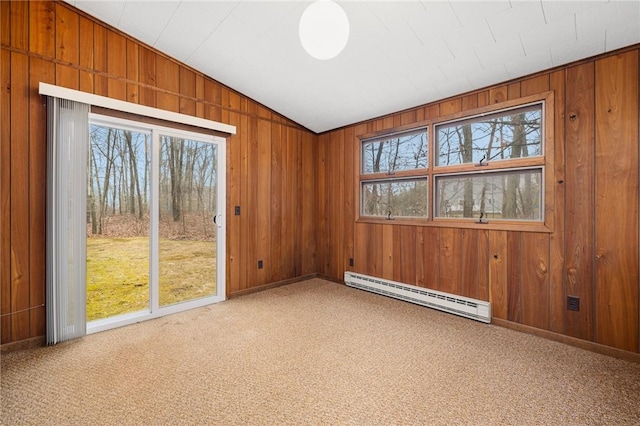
(68, 137)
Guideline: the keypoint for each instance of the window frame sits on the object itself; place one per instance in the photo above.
(545, 162)
(392, 176)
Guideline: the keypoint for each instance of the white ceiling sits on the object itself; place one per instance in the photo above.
(399, 55)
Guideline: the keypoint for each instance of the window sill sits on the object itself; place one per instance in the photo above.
(463, 224)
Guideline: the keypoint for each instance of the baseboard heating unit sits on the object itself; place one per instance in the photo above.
(464, 306)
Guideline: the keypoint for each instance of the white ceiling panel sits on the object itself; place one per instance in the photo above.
(400, 54)
(155, 19)
(190, 26)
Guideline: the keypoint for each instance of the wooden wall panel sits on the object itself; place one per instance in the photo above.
(20, 272)
(5, 188)
(51, 42)
(534, 284)
(579, 209)
(263, 202)
(39, 71)
(86, 55)
(309, 202)
(616, 200)
(67, 35)
(498, 276)
(449, 268)
(514, 276)
(42, 22)
(276, 207)
(314, 182)
(557, 238)
(468, 262)
(20, 25)
(5, 23)
(116, 66)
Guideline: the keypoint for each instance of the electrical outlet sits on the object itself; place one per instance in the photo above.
(237, 210)
(573, 303)
(260, 264)
(351, 261)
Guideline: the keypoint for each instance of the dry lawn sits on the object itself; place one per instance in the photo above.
(118, 274)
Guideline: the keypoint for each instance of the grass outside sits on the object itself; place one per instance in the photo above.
(118, 274)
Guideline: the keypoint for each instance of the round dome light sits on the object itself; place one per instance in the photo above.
(324, 29)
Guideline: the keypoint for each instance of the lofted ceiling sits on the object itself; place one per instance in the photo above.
(399, 55)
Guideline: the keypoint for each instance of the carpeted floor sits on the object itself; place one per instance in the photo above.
(316, 352)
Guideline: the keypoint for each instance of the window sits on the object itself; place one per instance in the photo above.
(489, 166)
(393, 180)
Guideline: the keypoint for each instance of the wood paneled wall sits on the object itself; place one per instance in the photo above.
(270, 160)
(297, 190)
(592, 252)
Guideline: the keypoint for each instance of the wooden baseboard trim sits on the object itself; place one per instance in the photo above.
(271, 285)
(31, 343)
(572, 341)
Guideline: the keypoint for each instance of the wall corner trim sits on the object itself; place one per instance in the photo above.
(128, 107)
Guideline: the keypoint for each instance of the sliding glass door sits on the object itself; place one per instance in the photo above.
(155, 232)
(187, 220)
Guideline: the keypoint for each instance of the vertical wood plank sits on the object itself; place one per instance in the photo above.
(100, 81)
(579, 127)
(67, 76)
(5, 23)
(20, 180)
(498, 273)
(39, 71)
(498, 94)
(321, 219)
(147, 77)
(5, 188)
(468, 260)
(535, 280)
(42, 24)
(19, 25)
(276, 201)
(514, 276)
(234, 184)
(86, 55)
(351, 199)
(250, 200)
(557, 257)
(513, 91)
(428, 256)
(535, 85)
(133, 71)
(470, 102)
(387, 251)
(616, 208)
(451, 106)
(484, 261)
(243, 223)
(360, 247)
(116, 66)
(449, 254)
(67, 35)
(309, 184)
(263, 211)
(187, 91)
(337, 237)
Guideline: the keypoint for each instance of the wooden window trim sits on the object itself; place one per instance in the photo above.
(546, 162)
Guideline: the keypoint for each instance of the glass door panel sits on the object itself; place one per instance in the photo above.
(188, 198)
(118, 187)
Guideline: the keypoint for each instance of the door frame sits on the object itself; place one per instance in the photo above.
(154, 309)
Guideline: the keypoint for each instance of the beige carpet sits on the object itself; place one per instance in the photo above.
(316, 352)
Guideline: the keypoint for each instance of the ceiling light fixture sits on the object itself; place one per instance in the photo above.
(324, 29)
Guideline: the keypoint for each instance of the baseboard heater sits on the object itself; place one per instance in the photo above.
(464, 306)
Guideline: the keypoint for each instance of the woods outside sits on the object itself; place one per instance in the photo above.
(509, 194)
(119, 177)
